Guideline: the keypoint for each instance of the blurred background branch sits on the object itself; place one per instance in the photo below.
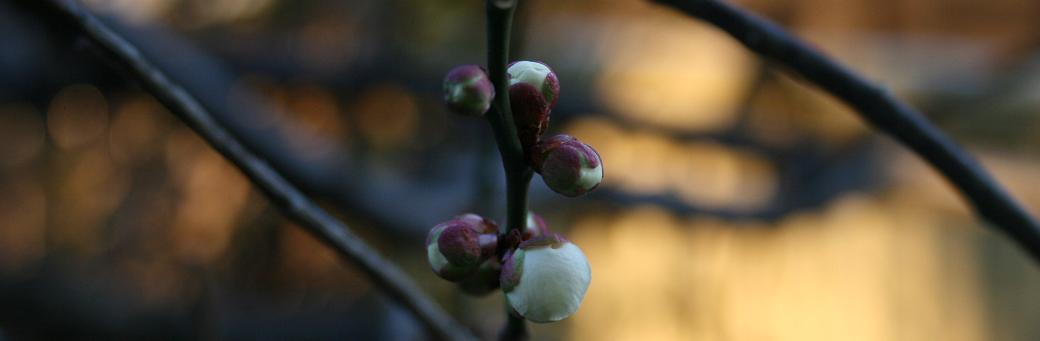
(292, 202)
(881, 109)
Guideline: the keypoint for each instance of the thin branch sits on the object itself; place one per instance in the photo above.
(280, 192)
(879, 108)
(518, 174)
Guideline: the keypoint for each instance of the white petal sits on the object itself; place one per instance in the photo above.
(530, 73)
(589, 177)
(437, 260)
(552, 284)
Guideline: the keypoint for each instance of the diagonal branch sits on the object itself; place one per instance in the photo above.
(878, 107)
(282, 194)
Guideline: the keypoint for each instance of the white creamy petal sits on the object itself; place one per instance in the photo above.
(530, 73)
(590, 177)
(552, 284)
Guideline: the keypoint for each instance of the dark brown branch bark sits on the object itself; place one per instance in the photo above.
(280, 192)
(877, 107)
(500, 116)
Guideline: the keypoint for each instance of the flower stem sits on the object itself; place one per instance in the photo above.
(518, 173)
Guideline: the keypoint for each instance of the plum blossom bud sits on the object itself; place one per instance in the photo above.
(535, 226)
(533, 90)
(468, 91)
(538, 76)
(568, 166)
(453, 250)
(545, 278)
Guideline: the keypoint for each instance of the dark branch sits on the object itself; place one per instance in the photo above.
(282, 194)
(518, 174)
(878, 107)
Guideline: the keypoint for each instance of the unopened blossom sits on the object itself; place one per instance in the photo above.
(468, 91)
(568, 166)
(456, 248)
(545, 278)
(533, 91)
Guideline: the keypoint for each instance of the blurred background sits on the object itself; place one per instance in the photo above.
(739, 203)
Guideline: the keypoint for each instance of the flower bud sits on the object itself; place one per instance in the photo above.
(453, 250)
(568, 166)
(468, 91)
(545, 278)
(533, 90)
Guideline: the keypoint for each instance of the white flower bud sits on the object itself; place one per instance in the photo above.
(546, 278)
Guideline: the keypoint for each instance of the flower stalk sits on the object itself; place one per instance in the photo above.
(518, 173)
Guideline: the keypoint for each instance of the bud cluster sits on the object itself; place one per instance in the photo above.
(567, 166)
(544, 278)
(543, 275)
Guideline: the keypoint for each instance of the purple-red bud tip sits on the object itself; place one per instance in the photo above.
(530, 114)
(551, 239)
(460, 245)
(454, 250)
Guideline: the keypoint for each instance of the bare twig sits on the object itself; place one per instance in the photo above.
(280, 192)
(879, 108)
(518, 174)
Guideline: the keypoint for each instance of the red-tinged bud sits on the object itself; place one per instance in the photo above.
(468, 91)
(533, 91)
(568, 166)
(453, 250)
(537, 75)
